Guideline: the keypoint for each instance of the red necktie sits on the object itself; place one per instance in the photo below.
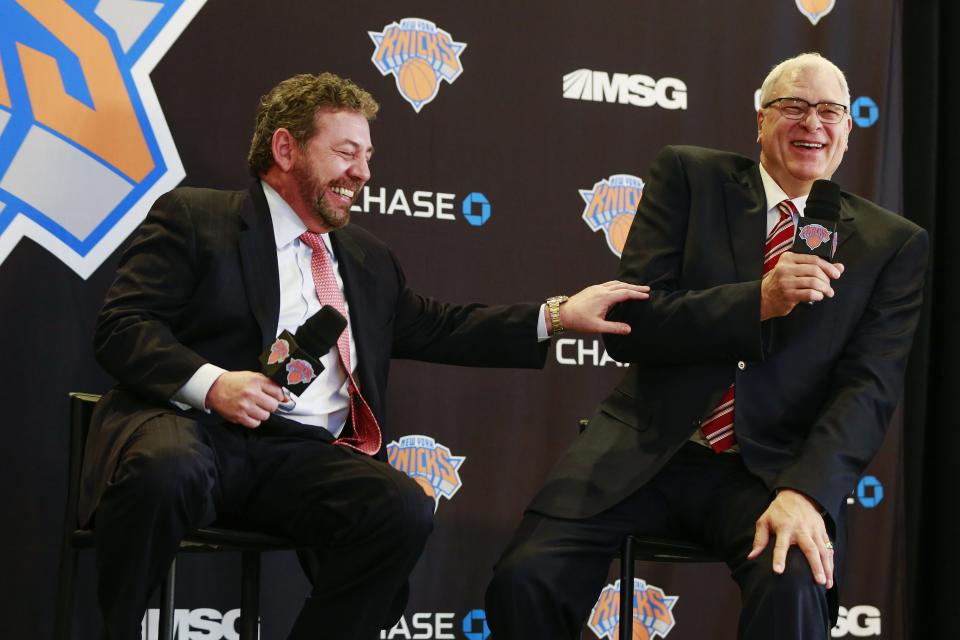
(366, 432)
(717, 427)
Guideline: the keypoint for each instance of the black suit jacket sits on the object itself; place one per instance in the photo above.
(815, 389)
(199, 283)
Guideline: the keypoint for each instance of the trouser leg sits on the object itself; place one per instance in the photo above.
(788, 606)
(553, 569)
(366, 522)
(162, 488)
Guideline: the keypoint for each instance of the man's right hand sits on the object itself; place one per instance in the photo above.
(244, 397)
(797, 278)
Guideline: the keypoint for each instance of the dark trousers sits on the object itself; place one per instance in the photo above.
(553, 569)
(365, 522)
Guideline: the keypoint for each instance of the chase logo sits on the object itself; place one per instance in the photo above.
(611, 205)
(476, 209)
(815, 9)
(864, 111)
(432, 465)
(652, 612)
(84, 148)
(419, 55)
(475, 625)
(869, 492)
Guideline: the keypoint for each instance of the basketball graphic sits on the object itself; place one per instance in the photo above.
(417, 80)
(815, 6)
(815, 9)
(419, 55)
(619, 227)
(431, 465)
(610, 206)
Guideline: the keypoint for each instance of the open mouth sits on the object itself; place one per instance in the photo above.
(808, 145)
(343, 192)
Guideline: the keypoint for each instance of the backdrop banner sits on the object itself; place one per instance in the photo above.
(511, 151)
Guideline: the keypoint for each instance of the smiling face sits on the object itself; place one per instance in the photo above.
(330, 169)
(797, 152)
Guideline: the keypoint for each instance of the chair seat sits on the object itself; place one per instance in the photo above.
(670, 550)
(211, 538)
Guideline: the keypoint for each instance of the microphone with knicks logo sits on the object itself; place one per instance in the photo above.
(293, 360)
(817, 227)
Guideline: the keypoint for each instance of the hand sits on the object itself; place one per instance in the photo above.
(793, 518)
(244, 397)
(587, 311)
(797, 278)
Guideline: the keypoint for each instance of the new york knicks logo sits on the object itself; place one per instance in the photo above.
(815, 9)
(419, 55)
(611, 205)
(652, 612)
(814, 235)
(84, 148)
(431, 464)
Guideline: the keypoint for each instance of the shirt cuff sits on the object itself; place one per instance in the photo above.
(194, 392)
(542, 326)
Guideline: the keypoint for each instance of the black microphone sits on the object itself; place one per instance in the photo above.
(817, 228)
(293, 360)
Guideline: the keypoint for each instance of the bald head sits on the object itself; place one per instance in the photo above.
(791, 67)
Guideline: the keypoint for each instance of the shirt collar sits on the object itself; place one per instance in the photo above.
(287, 225)
(775, 195)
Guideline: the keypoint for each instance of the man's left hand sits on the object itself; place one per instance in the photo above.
(793, 518)
(586, 311)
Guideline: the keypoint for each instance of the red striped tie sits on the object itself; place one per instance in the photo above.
(366, 436)
(717, 427)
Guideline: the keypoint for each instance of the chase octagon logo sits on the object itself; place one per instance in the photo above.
(84, 147)
(429, 463)
(419, 55)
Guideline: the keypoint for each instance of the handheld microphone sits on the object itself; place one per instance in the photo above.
(817, 228)
(293, 360)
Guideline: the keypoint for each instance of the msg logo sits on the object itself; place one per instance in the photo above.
(84, 148)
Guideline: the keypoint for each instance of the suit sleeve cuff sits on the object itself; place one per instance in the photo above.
(194, 392)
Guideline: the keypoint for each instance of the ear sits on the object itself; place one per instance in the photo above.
(284, 148)
(759, 123)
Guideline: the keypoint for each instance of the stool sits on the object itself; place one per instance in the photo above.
(249, 543)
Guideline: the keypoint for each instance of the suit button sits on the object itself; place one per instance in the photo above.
(741, 365)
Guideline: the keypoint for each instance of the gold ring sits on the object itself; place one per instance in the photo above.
(829, 545)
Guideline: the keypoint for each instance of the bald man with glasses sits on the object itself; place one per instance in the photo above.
(760, 387)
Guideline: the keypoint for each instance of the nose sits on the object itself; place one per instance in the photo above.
(811, 120)
(360, 169)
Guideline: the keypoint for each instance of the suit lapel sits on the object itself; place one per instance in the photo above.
(846, 228)
(746, 211)
(258, 257)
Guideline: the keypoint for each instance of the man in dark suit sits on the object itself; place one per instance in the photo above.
(814, 350)
(194, 434)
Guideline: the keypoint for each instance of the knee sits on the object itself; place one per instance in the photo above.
(413, 510)
(517, 570)
(167, 474)
(795, 584)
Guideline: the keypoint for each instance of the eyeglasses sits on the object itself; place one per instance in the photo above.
(797, 108)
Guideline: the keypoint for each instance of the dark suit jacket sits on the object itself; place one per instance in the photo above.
(199, 283)
(815, 389)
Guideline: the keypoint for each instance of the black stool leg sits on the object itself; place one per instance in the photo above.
(166, 603)
(250, 595)
(63, 622)
(626, 589)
